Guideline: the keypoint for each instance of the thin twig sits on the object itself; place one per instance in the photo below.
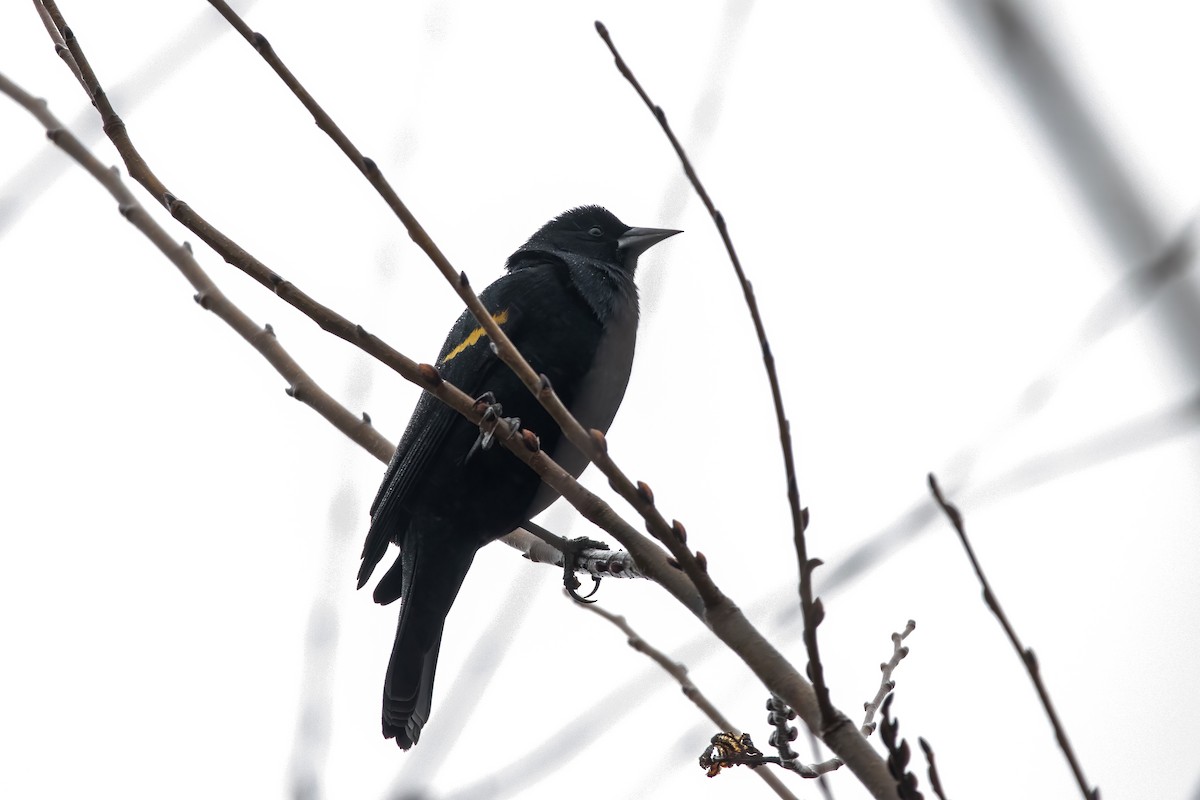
(524, 446)
(886, 684)
(680, 673)
(779, 714)
(723, 617)
(1108, 314)
(592, 443)
(811, 607)
(262, 338)
(823, 782)
(1026, 654)
(935, 780)
(300, 385)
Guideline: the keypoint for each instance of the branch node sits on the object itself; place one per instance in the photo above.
(679, 531)
(260, 42)
(429, 374)
(598, 440)
(531, 441)
(645, 492)
(366, 418)
(268, 330)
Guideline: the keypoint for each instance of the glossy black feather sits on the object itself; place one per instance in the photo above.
(569, 303)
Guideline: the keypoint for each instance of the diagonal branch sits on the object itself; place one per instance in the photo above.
(590, 443)
(301, 386)
(525, 447)
(680, 673)
(812, 608)
(262, 338)
(721, 615)
(1025, 653)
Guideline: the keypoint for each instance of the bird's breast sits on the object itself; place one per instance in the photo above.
(599, 394)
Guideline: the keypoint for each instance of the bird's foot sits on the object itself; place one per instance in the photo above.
(571, 550)
(492, 411)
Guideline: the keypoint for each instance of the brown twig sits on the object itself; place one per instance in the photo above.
(525, 447)
(300, 385)
(680, 673)
(262, 338)
(1025, 653)
(812, 608)
(721, 615)
(591, 443)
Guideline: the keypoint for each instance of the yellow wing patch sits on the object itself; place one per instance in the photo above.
(474, 336)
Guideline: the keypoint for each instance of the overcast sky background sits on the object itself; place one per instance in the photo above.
(181, 537)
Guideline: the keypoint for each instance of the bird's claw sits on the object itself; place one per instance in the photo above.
(571, 549)
(492, 411)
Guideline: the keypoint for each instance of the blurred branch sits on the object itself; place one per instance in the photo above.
(27, 182)
(524, 447)
(1010, 31)
(680, 673)
(413, 778)
(1128, 437)
(721, 615)
(1026, 654)
(1115, 308)
(590, 443)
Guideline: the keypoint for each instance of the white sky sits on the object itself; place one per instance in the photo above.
(170, 516)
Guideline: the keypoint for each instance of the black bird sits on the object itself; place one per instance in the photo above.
(569, 304)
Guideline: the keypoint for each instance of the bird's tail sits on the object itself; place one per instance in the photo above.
(432, 577)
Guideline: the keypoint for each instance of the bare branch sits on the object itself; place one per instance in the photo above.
(719, 613)
(680, 673)
(524, 446)
(590, 443)
(813, 610)
(1026, 654)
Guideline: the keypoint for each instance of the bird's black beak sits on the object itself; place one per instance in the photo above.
(635, 241)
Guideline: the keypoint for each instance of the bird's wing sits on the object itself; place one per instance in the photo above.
(466, 361)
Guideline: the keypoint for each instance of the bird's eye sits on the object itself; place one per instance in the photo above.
(596, 232)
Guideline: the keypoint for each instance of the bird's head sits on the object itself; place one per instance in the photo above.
(594, 232)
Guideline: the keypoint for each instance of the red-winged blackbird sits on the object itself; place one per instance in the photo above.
(569, 304)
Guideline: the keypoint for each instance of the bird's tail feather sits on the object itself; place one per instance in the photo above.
(432, 577)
